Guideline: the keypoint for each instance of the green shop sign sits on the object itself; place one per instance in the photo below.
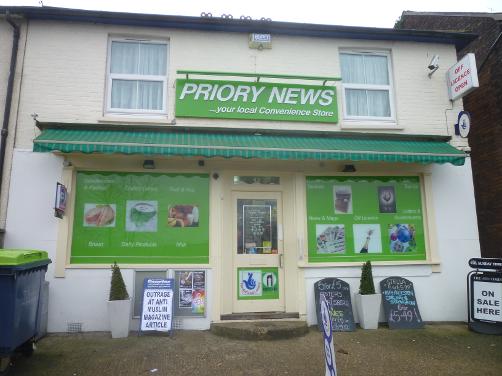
(141, 218)
(256, 101)
(378, 218)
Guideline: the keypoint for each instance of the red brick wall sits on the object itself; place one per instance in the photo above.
(485, 106)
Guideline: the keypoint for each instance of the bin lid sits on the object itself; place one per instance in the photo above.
(14, 257)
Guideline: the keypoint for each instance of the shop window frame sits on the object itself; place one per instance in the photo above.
(432, 257)
(390, 87)
(109, 110)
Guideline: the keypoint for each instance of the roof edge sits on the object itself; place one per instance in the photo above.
(237, 25)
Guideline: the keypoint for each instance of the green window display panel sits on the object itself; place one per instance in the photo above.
(141, 218)
(377, 218)
(257, 283)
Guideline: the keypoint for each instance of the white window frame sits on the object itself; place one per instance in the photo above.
(135, 77)
(390, 88)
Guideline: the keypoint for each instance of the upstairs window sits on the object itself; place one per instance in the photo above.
(367, 86)
(137, 76)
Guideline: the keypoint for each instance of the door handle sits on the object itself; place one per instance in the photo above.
(281, 260)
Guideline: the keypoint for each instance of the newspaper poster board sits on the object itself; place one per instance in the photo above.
(190, 293)
(157, 307)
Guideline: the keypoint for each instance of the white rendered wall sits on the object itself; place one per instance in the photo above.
(81, 296)
(65, 75)
(441, 296)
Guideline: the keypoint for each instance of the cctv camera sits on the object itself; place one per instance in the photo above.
(434, 64)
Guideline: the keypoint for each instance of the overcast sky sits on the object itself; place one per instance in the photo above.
(375, 13)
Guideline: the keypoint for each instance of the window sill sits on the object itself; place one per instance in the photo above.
(435, 264)
(136, 119)
(370, 124)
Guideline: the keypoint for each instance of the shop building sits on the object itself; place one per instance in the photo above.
(247, 159)
(485, 138)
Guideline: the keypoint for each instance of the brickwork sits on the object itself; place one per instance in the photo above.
(485, 106)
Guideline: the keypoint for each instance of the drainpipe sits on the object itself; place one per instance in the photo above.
(8, 100)
(8, 96)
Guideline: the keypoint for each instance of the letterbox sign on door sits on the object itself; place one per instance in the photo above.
(462, 77)
(337, 294)
(256, 101)
(400, 304)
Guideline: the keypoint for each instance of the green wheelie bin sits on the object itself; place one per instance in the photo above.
(22, 273)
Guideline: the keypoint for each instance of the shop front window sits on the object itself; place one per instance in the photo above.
(140, 218)
(377, 218)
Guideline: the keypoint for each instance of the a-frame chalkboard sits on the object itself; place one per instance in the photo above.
(337, 294)
(400, 304)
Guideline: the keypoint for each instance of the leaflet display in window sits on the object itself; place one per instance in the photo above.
(378, 218)
(190, 295)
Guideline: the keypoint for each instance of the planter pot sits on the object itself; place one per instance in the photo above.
(368, 310)
(119, 314)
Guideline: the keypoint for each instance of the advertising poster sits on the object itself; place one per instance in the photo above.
(378, 218)
(257, 283)
(139, 218)
(191, 293)
(157, 308)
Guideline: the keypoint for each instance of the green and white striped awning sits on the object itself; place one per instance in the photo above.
(231, 144)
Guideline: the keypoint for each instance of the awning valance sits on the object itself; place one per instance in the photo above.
(248, 145)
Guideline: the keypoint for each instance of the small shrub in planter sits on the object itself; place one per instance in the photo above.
(119, 305)
(367, 301)
(118, 290)
(366, 286)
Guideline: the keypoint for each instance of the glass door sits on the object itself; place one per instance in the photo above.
(258, 252)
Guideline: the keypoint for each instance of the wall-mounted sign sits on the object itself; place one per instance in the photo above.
(141, 218)
(462, 77)
(157, 307)
(463, 125)
(377, 218)
(260, 41)
(256, 101)
(60, 202)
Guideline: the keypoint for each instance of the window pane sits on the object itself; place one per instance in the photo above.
(152, 59)
(150, 95)
(256, 226)
(378, 103)
(352, 68)
(270, 180)
(376, 71)
(356, 102)
(124, 57)
(124, 93)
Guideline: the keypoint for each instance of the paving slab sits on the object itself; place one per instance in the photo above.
(436, 350)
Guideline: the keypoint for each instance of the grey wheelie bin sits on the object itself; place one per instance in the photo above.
(22, 274)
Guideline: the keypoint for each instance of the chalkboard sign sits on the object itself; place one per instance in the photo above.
(337, 295)
(400, 304)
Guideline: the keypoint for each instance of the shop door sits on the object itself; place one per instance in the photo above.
(258, 252)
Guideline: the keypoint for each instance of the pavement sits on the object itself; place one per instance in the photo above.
(435, 350)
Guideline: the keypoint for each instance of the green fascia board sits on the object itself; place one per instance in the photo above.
(266, 146)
